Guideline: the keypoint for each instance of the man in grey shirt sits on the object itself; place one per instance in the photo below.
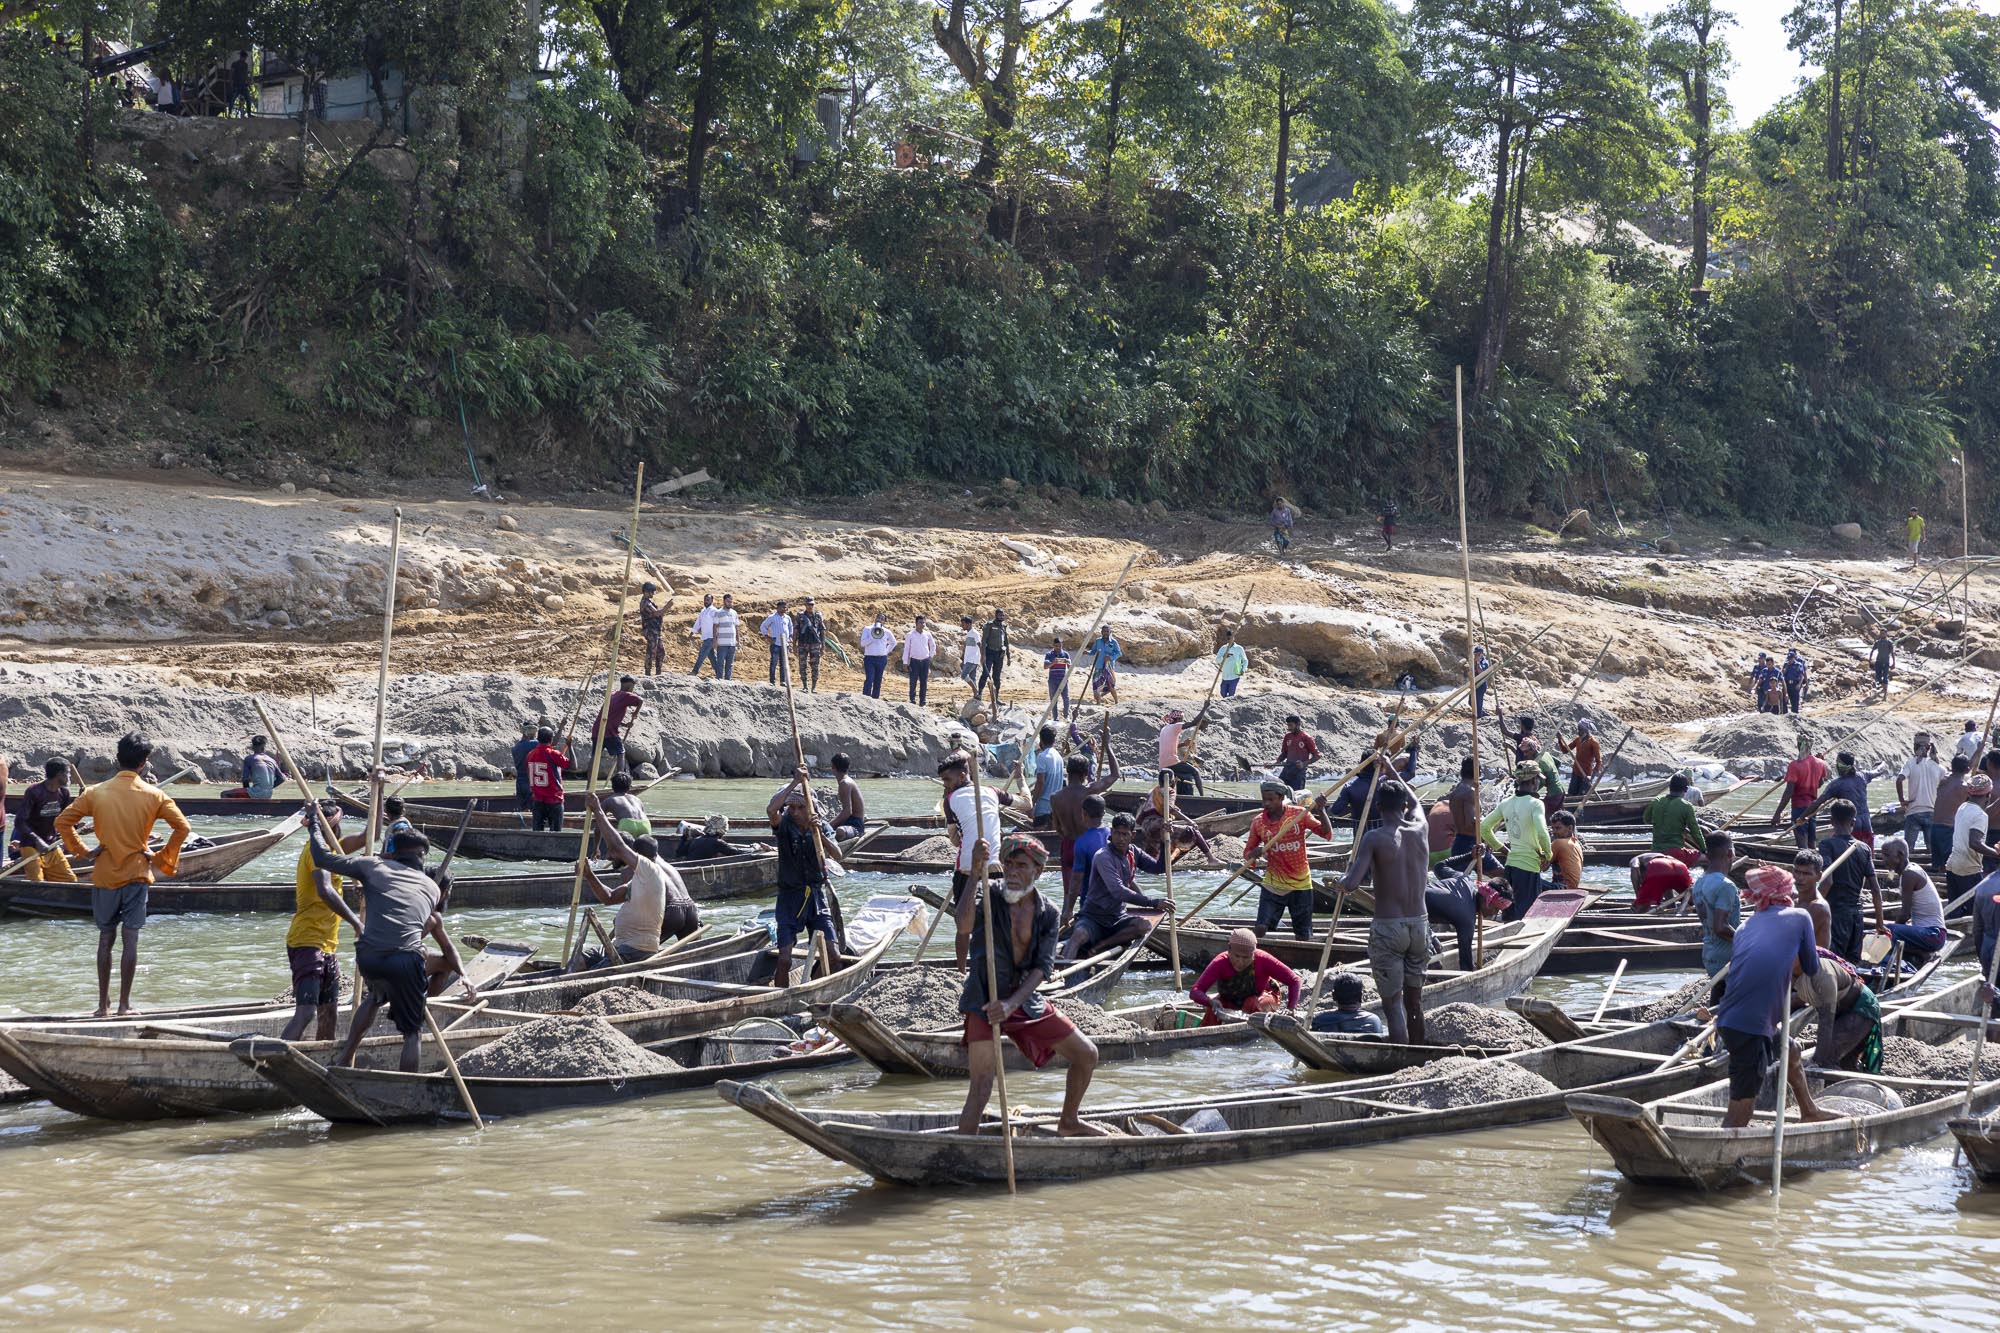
(1397, 854)
(401, 905)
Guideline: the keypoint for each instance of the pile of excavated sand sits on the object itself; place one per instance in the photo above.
(558, 1047)
(1906, 1057)
(1463, 1081)
(1680, 1000)
(1476, 1026)
(922, 999)
(1094, 1021)
(626, 1000)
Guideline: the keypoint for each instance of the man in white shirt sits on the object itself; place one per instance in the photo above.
(1916, 788)
(724, 627)
(955, 772)
(919, 647)
(968, 667)
(777, 628)
(1968, 741)
(704, 629)
(877, 642)
(1966, 864)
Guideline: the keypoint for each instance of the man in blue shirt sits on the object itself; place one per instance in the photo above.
(1716, 904)
(1771, 947)
(1048, 775)
(522, 797)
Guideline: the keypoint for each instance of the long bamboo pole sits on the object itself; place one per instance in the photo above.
(1167, 866)
(597, 745)
(382, 679)
(1471, 659)
(1332, 927)
(812, 812)
(978, 884)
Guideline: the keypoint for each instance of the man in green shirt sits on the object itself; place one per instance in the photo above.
(1673, 819)
(1528, 848)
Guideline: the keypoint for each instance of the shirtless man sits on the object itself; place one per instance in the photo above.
(1397, 855)
(852, 817)
(1066, 812)
(1464, 802)
(624, 808)
(1806, 866)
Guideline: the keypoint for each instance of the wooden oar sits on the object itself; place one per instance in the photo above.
(451, 1065)
(812, 808)
(978, 884)
(1985, 736)
(382, 678)
(597, 745)
(576, 712)
(1471, 660)
(1605, 1003)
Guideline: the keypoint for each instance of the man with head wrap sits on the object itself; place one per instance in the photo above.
(1279, 831)
(1769, 947)
(1243, 979)
(1027, 927)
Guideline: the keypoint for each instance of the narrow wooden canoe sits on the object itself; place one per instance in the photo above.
(926, 1149)
(188, 1071)
(1979, 1137)
(1678, 1140)
(213, 858)
(391, 1097)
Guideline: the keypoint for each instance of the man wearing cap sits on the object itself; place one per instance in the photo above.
(1243, 979)
(401, 904)
(1279, 830)
(809, 634)
(1586, 756)
(955, 773)
(653, 628)
(1396, 859)
(1776, 939)
(1027, 928)
(1528, 850)
(1458, 900)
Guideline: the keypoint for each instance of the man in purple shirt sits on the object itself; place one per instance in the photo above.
(1774, 945)
(1102, 921)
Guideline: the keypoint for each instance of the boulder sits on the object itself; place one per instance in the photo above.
(1668, 546)
(507, 523)
(1849, 532)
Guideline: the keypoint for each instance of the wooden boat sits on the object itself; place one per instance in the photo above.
(391, 1097)
(1979, 1137)
(155, 1071)
(1677, 1139)
(725, 877)
(205, 858)
(925, 1148)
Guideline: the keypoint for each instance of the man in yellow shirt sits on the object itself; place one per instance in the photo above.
(1915, 527)
(125, 807)
(312, 945)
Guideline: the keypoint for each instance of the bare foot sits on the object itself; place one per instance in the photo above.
(1078, 1129)
(127, 1011)
(1818, 1115)
(103, 1011)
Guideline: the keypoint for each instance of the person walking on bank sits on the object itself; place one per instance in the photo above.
(1104, 655)
(704, 630)
(809, 633)
(777, 630)
(125, 808)
(876, 643)
(969, 656)
(1882, 657)
(1913, 528)
(1282, 518)
(919, 648)
(726, 625)
(1233, 661)
(1795, 679)
(992, 655)
(653, 628)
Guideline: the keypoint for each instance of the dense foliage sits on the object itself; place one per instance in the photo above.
(1204, 250)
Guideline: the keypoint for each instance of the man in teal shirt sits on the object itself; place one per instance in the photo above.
(1233, 662)
(1673, 819)
(1717, 904)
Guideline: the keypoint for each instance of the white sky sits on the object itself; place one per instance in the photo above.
(1766, 69)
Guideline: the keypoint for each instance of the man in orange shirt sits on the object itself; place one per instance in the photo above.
(1279, 831)
(125, 808)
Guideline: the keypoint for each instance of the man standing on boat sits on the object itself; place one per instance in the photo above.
(125, 807)
(523, 798)
(1243, 979)
(1528, 848)
(1279, 830)
(1672, 817)
(1066, 813)
(615, 722)
(1586, 756)
(401, 903)
(1777, 939)
(312, 944)
(36, 841)
(1396, 857)
(1844, 887)
(545, 766)
(802, 884)
(955, 772)
(1803, 778)
(1025, 959)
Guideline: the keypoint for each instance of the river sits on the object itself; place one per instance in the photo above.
(682, 1212)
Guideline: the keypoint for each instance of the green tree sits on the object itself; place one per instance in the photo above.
(1690, 55)
(1549, 94)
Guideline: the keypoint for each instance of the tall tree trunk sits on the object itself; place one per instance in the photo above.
(1114, 97)
(1492, 302)
(1833, 132)
(1703, 150)
(88, 140)
(1280, 177)
(707, 92)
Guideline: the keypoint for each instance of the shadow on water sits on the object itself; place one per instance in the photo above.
(856, 1203)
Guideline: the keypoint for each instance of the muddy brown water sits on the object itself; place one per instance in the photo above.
(682, 1212)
